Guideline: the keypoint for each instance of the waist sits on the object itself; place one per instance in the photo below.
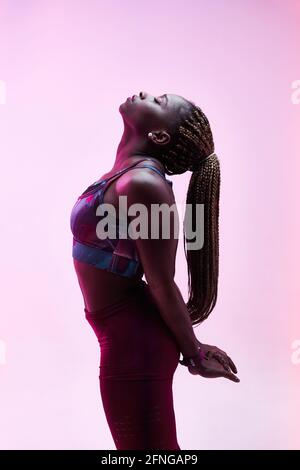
(138, 295)
(114, 261)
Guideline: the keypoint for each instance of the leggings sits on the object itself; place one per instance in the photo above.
(138, 358)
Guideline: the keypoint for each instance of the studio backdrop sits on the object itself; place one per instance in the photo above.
(65, 68)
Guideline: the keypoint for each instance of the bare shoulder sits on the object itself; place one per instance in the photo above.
(145, 187)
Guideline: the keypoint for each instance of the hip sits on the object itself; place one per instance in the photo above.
(134, 339)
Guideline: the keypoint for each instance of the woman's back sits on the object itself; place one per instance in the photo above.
(100, 287)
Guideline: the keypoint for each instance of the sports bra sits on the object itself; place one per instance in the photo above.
(116, 255)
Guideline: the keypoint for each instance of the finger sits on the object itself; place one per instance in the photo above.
(223, 362)
(221, 351)
(215, 366)
(231, 376)
(209, 354)
(217, 371)
(222, 358)
(232, 364)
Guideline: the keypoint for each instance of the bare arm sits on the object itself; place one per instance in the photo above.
(158, 257)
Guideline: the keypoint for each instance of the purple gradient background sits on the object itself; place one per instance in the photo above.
(67, 67)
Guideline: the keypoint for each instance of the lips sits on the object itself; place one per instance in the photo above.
(131, 98)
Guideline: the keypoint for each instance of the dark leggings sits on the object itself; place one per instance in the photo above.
(138, 358)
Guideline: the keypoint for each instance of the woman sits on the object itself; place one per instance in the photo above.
(142, 327)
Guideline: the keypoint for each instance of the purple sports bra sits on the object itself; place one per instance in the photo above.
(116, 255)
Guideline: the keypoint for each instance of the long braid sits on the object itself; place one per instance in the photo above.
(192, 144)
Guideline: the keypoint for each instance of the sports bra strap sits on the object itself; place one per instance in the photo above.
(109, 180)
(105, 180)
(134, 164)
(148, 165)
(121, 171)
(145, 165)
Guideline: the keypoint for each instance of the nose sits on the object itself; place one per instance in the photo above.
(142, 95)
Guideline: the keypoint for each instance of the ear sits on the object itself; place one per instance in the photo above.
(160, 137)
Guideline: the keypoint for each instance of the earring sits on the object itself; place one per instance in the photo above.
(150, 134)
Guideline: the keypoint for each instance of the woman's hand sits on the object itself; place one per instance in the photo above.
(213, 352)
(211, 363)
(212, 368)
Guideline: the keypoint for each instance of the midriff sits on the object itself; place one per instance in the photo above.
(101, 288)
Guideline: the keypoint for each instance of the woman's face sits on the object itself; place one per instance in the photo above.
(145, 112)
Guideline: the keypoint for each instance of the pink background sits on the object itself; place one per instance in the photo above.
(67, 66)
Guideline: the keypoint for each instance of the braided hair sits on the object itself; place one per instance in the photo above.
(192, 149)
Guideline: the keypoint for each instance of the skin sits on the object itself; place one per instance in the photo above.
(158, 115)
